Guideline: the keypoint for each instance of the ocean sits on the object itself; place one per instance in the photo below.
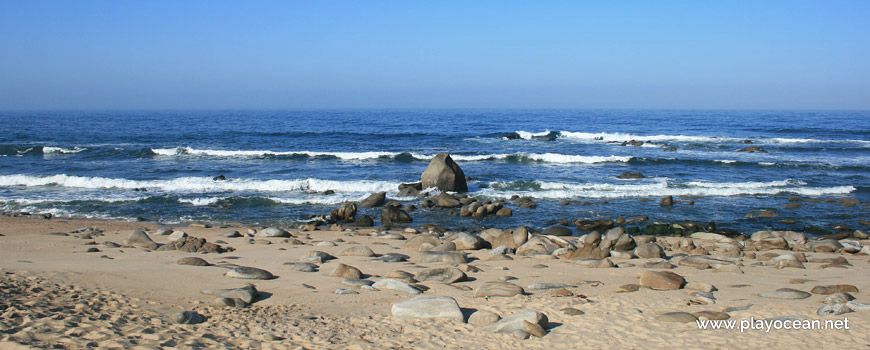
(161, 165)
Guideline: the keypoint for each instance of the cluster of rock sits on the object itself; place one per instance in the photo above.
(178, 240)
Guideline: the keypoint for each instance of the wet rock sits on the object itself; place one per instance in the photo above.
(667, 201)
(347, 212)
(395, 215)
(752, 149)
(558, 231)
(630, 175)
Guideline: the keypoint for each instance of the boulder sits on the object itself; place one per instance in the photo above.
(498, 289)
(423, 242)
(251, 273)
(649, 250)
(346, 271)
(192, 261)
(347, 212)
(515, 322)
(410, 190)
(189, 317)
(667, 201)
(427, 307)
(442, 258)
(442, 274)
(630, 175)
(465, 241)
(558, 231)
(444, 174)
(395, 285)
(836, 288)
(358, 250)
(752, 149)
(374, 200)
(364, 221)
(272, 232)
(394, 215)
(140, 239)
(482, 318)
(662, 280)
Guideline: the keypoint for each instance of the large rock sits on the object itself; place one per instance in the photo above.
(441, 258)
(428, 306)
(792, 238)
(498, 289)
(140, 239)
(465, 241)
(193, 261)
(836, 288)
(358, 250)
(444, 174)
(189, 317)
(346, 271)
(662, 280)
(247, 293)
(251, 273)
(538, 245)
(558, 231)
(392, 214)
(410, 190)
(395, 285)
(649, 250)
(272, 232)
(482, 318)
(347, 212)
(442, 274)
(423, 242)
(513, 239)
(515, 322)
(375, 200)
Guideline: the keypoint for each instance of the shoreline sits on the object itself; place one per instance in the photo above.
(160, 288)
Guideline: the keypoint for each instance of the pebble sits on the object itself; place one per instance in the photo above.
(541, 286)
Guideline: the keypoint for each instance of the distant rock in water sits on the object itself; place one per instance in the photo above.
(630, 175)
(751, 149)
(511, 136)
(220, 178)
(444, 174)
(375, 200)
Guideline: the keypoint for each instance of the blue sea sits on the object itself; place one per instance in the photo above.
(161, 165)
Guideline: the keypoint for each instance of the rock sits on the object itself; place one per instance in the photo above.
(785, 293)
(630, 175)
(658, 263)
(465, 241)
(347, 212)
(140, 239)
(515, 322)
(192, 261)
(364, 221)
(772, 243)
(189, 317)
(410, 190)
(358, 250)
(498, 289)
(667, 201)
(678, 317)
(396, 285)
(649, 250)
(230, 302)
(513, 239)
(628, 288)
(702, 262)
(482, 318)
(305, 267)
(231, 234)
(343, 291)
(374, 200)
(858, 307)
(247, 293)
(251, 273)
(836, 288)
(534, 329)
(502, 250)
(570, 311)
(442, 258)
(163, 232)
(392, 258)
(752, 149)
(444, 174)
(423, 242)
(558, 231)
(273, 232)
(708, 236)
(838, 298)
(356, 282)
(662, 280)
(542, 286)
(346, 271)
(176, 236)
(428, 306)
(317, 256)
(401, 276)
(700, 287)
(443, 275)
(394, 215)
(711, 315)
(504, 212)
(833, 310)
(826, 246)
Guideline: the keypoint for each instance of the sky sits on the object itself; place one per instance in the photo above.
(217, 54)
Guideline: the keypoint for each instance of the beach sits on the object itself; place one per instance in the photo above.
(58, 294)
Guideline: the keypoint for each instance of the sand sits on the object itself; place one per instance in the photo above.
(55, 294)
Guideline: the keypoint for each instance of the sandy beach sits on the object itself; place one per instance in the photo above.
(57, 294)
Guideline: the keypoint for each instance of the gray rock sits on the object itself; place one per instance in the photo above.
(465, 241)
(347, 212)
(394, 215)
(542, 286)
(570, 311)
(231, 234)
(442, 258)
(305, 267)
(163, 232)
(427, 307)
(658, 264)
(444, 174)
(649, 250)
(502, 250)
(246, 293)
(391, 258)
(177, 236)
(192, 261)
(356, 282)
(667, 201)
(358, 250)
(272, 232)
(785, 293)
(498, 289)
(833, 310)
(443, 275)
(858, 307)
(189, 317)
(678, 317)
(396, 285)
(251, 273)
(838, 298)
(558, 231)
(482, 318)
(230, 302)
(140, 239)
(514, 322)
(374, 200)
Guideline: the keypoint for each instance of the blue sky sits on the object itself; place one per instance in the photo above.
(434, 54)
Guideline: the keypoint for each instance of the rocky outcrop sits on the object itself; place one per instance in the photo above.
(444, 174)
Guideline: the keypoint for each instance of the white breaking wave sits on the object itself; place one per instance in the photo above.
(624, 137)
(539, 157)
(50, 149)
(661, 187)
(201, 184)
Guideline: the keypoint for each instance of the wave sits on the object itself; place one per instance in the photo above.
(357, 156)
(200, 184)
(625, 137)
(49, 149)
(655, 188)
